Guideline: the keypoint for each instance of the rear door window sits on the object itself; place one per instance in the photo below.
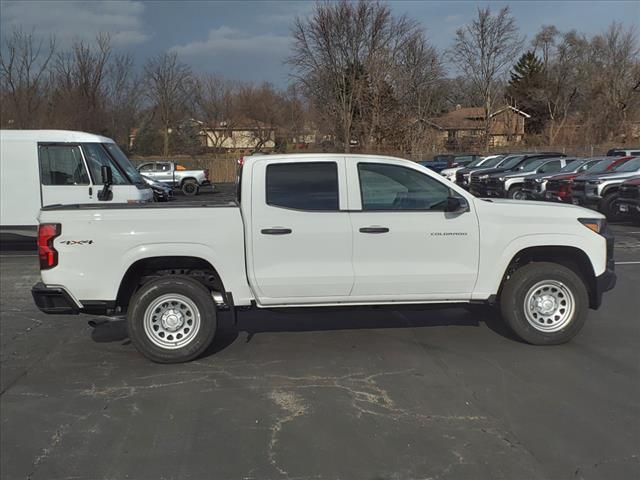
(62, 165)
(303, 186)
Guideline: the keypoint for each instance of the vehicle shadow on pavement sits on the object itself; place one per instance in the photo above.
(255, 322)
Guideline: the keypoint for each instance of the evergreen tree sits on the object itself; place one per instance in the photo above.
(524, 90)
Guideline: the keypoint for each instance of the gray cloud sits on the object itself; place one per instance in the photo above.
(227, 40)
(68, 20)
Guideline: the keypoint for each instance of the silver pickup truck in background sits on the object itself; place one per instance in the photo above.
(171, 173)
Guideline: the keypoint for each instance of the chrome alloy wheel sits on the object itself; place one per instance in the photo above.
(171, 321)
(549, 306)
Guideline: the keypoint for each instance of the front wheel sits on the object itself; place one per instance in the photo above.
(517, 193)
(544, 303)
(609, 208)
(172, 319)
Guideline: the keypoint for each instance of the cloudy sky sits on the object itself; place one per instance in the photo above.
(249, 40)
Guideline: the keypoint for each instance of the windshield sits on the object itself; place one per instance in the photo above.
(572, 166)
(531, 166)
(628, 166)
(511, 162)
(124, 163)
(599, 167)
(479, 161)
(494, 162)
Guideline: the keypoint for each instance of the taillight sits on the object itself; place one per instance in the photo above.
(241, 161)
(206, 174)
(47, 232)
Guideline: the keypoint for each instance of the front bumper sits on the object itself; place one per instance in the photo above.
(607, 280)
(54, 300)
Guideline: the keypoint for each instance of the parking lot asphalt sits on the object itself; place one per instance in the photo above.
(361, 393)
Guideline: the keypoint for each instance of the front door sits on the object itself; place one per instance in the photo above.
(406, 246)
(300, 239)
(63, 175)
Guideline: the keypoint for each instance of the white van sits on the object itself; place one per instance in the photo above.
(49, 167)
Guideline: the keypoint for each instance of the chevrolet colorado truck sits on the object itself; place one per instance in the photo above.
(323, 230)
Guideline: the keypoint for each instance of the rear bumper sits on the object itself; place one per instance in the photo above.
(57, 301)
(54, 300)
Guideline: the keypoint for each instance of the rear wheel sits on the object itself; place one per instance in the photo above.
(190, 187)
(172, 319)
(544, 303)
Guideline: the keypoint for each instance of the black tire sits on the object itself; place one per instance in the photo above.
(172, 284)
(516, 191)
(190, 188)
(513, 302)
(608, 207)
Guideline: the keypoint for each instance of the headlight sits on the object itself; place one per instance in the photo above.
(596, 224)
(502, 179)
(595, 182)
(483, 177)
(539, 180)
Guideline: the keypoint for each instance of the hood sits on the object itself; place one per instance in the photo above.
(529, 208)
(607, 176)
(450, 171)
(541, 175)
(563, 176)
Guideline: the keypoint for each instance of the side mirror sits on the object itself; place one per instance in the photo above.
(106, 194)
(456, 205)
(107, 175)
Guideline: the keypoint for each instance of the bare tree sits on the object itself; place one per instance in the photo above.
(260, 108)
(214, 99)
(123, 95)
(24, 75)
(484, 50)
(341, 56)
(78, 96)
(168, 85)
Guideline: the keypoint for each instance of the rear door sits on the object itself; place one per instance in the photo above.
(300, 236)
(164, 172)
(406, 247)
(64, 178)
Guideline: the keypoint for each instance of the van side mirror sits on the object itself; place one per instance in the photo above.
(456, 205)
(107, 175)
(106, 194)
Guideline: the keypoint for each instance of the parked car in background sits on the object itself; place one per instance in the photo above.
(161, 191)
(441, 162)
(628, 203)
(544, 264)
(59, 167)
(535, 186)
(464, 174)
(559, 187)
(450, 173)
(624, 152)
(171, 173)
(600, 191)
(479, 180)
(511, 185)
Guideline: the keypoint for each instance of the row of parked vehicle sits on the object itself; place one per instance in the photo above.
(609, 184)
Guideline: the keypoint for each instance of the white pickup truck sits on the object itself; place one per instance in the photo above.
(323, 230)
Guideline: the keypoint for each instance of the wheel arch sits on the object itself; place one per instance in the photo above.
(149, 268)
(185, 179)
(571, 257)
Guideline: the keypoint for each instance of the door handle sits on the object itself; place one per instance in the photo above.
(374, 230)
(276, 231)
